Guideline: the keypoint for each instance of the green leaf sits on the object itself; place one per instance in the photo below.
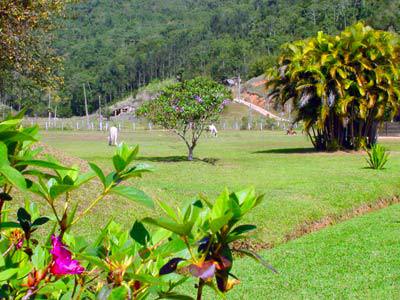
(13, 176)
(7, 274)
(15, 136)
(139, 233)
(181, 229)
(132, 155)
(119, 163)
(133, 194)
(167, 209)
(59, 189)
(118, 293)
(221, 205)
(243, 229)
(217, 224)
(3, 154)
(42, 164)
(23, 215)
(40, 221)
(5, 197)
(5, 225)
(98, 172)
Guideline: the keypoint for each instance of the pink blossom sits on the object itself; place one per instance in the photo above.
(62, 262)
(198, 99)
(204, 270)
(19, 244)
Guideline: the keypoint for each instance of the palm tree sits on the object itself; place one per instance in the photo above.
(342, 86)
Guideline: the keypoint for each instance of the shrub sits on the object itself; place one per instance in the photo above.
(377, 157)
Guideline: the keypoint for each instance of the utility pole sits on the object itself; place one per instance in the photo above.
(101, 116)
(86, 106)
(49, 107)
(239, 94)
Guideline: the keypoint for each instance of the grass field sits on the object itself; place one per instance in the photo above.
(300, 185)
(357, 259)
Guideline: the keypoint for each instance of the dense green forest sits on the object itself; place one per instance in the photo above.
(115, 46)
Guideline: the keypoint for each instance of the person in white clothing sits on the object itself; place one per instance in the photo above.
(113, 136)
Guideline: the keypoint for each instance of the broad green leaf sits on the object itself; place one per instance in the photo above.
(42, 164)
(139, 233)
(40, 221)
(13, 176)
(59, 189)
(98, 172)
(221, 205)
(119, 163)
(3, 154)
(7, 274)
(84, 178)
(167, 209)
(217, 224)
(243, 229)
(181, 229)
(118, 293)
(15, 136)
(5, 225)
(132, 155)
(133, 194)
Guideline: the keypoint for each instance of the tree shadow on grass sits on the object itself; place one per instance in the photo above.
(287, 151)
(173, 159)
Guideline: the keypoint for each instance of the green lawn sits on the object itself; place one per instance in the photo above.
(357, 259)
(300, 185)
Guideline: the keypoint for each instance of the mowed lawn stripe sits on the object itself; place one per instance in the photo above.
(357, 259)
(300, 185)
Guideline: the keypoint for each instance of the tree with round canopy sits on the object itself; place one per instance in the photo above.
(187, 108)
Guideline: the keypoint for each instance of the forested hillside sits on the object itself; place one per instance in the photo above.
(114, 46)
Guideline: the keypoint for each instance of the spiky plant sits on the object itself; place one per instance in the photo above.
(378, 156)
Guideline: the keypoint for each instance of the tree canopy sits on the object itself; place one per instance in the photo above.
(26, 60)
(343, 86)
(116, 46)
(187, 108)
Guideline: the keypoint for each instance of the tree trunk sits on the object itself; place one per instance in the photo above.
(190, 155)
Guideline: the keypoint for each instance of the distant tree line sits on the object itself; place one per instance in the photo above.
(115, 46)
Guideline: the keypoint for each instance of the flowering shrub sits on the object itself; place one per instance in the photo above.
(117, 264)
(187, 108)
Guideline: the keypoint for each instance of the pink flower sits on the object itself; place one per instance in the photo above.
(19, 244)
(62, 262)
(204, 270)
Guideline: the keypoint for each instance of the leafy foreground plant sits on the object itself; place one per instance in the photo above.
(208, 233)
(117, 264)
(377, 157)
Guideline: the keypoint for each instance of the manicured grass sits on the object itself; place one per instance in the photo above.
(357, 259)
(300, 185)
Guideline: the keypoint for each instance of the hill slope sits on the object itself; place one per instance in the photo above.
(115, 46)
